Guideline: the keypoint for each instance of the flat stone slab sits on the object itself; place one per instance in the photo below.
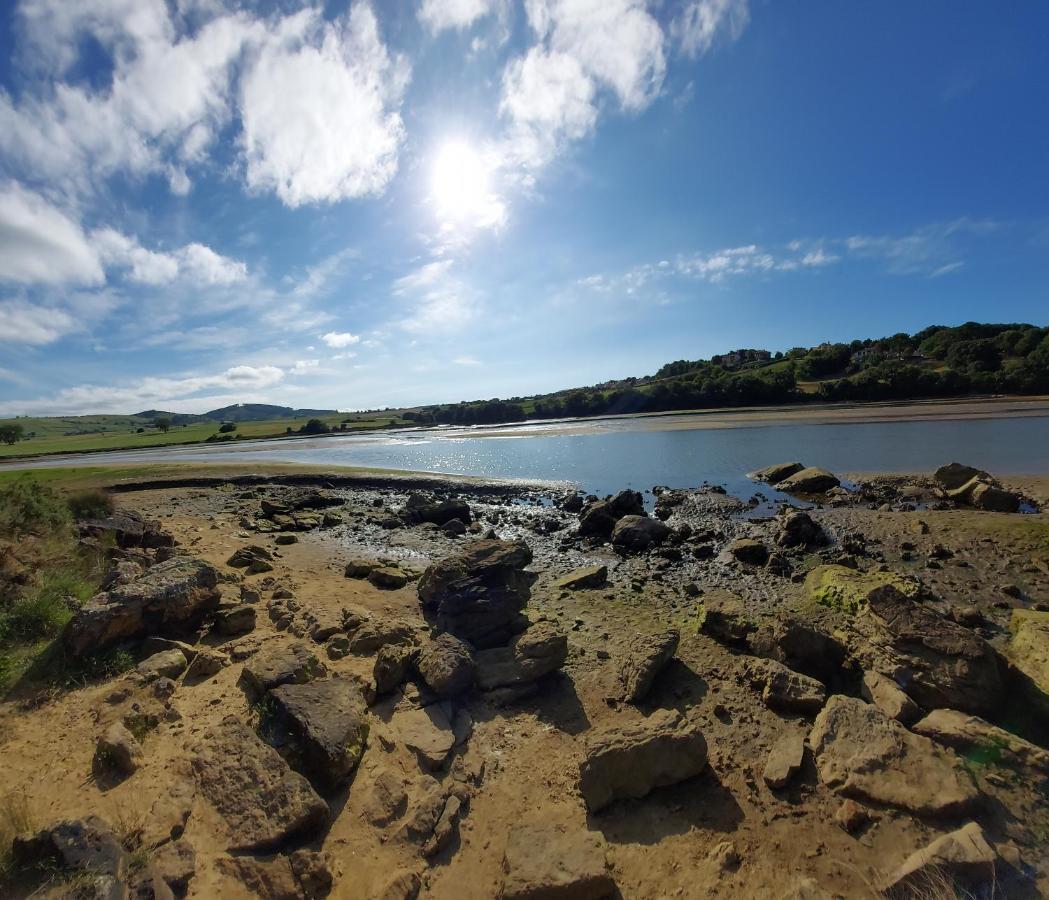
(262, 801)
(545, 863)
(862, 753)
(975, 737)
(426, 731)
(784, 761)
(294, 664)
(964, 854)
(581, 579)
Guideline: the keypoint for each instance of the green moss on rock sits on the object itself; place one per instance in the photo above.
(849, 590)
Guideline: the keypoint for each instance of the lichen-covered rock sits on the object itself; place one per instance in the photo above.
(811, 480)
(293, 664)
(850, 590)
(478, 594)
(863, 754)
(171, 595)
(632, 759)
(776, 473)
(446, 665)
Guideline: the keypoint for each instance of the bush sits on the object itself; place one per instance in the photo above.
(27, 506)
(227, 427)
(91, 504)
(44, 610)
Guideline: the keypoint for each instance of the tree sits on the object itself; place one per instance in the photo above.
(9, 434)
(163, 423)
(314, 426)
(227, 427)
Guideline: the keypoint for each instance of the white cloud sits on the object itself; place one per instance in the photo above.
(302, 366)
(701, 22)
(715, 267)
(441, 302)
(241, 383)
(466, 361)
(438, 15)
(194, 263)
(339, 339)
(926, 250)
(41, 245)
(425, 276)
(818, 257)
(26, 323)
(319, 105)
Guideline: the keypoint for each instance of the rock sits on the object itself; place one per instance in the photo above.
(635, 534)
(802, 643)
(540, 650)
(632, 759)
(420, 509)
(83, 846)
(454, 528)
(849, 590)
(153, 645)
(981, 740)
(117, 751)
(246, 557)
(171, 595)
(285, 540)
(962, 855)
(939, 663)
(313, 872)
(446, 665)
(749, 551)
(851, 816)
(261, 800)
(1028, 652)
(205, 664)
(445, 828)
(176, 864)
(885, 694)
(811, 480)
(784, 761)
(544, 863)
(404, 884)
(723, 616)
(167, 664)
(128, 529)
(598, 518)
(954, 475)
(797, 529)
(863, 754)
(785, 690)
(293, 664)
(361, 568)
(164, 688)
(301, 874)
(326, 727)
(386, 800)
(775, 474)
(725, 856)
(806, 889)
(388, 578)
(167, 818)
(392, 665)
(992, 498)
(374, 634)
(581, 579)
(427, 732)
(646, 657)
(478, 594)
(235, 620)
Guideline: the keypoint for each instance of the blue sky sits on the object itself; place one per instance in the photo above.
(356, 205)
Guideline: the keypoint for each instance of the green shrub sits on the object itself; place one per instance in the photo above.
(44, 610)
(27, 506)
(91, 504)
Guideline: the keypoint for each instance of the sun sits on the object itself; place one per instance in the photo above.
(461, 186)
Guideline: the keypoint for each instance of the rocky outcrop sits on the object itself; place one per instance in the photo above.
(446, 665)
(478, 594)
(885, 694)
(961, 856)
(598, 518)
(172, 595)
(420, 508)
(323, 725)
(863, 754)
(581, 579)
(979, 739)
(811, 480)
(776, 473)
(646, 656)
(797, 529)
(636, 534)
(785, 690)
(632, 759)
(545, 863)
(536, 652)
(850, 590)
(293, 664)
(262, 802)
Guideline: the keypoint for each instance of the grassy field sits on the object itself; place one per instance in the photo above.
(82, 434)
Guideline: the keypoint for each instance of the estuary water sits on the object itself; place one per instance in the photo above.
(638, 453)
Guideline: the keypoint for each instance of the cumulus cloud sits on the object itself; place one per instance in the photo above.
(339, 339)
(439, 301)
(319, 105)
(39, 244)
(439, 15)
(702, 22)
(22, 322)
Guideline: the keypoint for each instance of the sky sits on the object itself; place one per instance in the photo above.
(357, 205)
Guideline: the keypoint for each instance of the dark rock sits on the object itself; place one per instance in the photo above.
(581, 579)
(724, 617)
(646, 656)
(393, 664)
(235, 620)
(389, 578)
(775, 474)
(205, 664)
(811, 480)
(84, 846)
(540, 650)
(797, 529)
(326, 727)
(421, 509)
(446, 665)
(171, 595)
(599, 517)
(247, 556)
(635, 534)
(953, 475)
(630, 760)
(749, 551)
(293, 664)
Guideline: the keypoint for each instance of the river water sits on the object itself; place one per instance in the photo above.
(638, 453)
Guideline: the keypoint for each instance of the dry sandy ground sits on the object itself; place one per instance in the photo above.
(525, 758)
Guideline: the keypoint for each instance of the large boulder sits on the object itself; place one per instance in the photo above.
(960, 856)
(635, 534)
(863, 754)
(1028, 653)
(776, 473)
(262, 802)
(953, 475)
(128, 529)
(850, 590)
(293, 664)
(981, 740)
(599, 517)
(646, 656)
(632, 759)
(545, 863)
(323, 727)
(785, 690)
(937, 662)
(478, 594)
(797, 529)
(811, 480)
(536, 652)
(446, 665)
(173, 595)
(85, 847)
(420, 508)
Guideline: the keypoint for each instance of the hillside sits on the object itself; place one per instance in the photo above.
(258, 412)
(938, 361)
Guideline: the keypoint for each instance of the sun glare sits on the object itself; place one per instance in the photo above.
(461, 188)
